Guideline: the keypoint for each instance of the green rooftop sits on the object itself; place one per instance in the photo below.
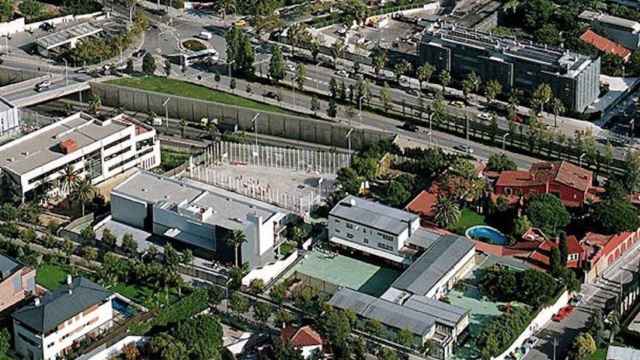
(346, 271)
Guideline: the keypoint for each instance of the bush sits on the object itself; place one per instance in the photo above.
(531, 287)
(179, 311)
(500, 333)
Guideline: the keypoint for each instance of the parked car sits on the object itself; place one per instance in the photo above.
(457, 103)
(291, 67)
(485, 116)
(409, 126)
(464, 148)
(563, 313)
(204, 35)
(43, 85)
(413, 92)
(576, 300)
(47, 26)
(272, 95)
(342, 73)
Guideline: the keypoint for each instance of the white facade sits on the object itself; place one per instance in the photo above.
(107, 148)
(9, 118)
(448, 281)
(34, 346)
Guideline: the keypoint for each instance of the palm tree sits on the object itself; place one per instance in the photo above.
(424, 73)
(337, 50)
(558, 108)
(69, 178)
(95, 103)
(236, 239)
(511, 6)
(83, 192)
(227, 6)
(445, 79)
(131, 4)
(447, 212)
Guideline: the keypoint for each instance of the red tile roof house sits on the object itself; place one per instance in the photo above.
(541, 256)
(17, 282)
(304, 339)
(604, 250)
(570, 182)
(605, 45)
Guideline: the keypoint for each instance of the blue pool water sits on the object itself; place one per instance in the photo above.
(123, 308)
(487, 234)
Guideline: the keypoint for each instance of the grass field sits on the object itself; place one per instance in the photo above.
(172, 159)
(181, 88)
(52, 276)
(468, 219)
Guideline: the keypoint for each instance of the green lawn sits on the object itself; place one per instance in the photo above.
(170, 160)
(52, 276)
(600, 354)
(468, 219)
(135, 293)
(181, 88)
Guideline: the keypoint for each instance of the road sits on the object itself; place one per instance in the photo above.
(595, 297)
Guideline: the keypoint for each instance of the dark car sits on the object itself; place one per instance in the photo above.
(272, 95)
(46, 26)
(139, 53)
(409, 126)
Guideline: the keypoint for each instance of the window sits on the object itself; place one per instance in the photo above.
(50, 345)
(385, 246)
(366, 241)
(337, 221)
(119, 141)
(349, 226)
(350, 236)
(27, 340)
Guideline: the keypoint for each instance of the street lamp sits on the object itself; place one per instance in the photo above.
(359, 109)
(349, 140)
(66, 74)
(580, 159)
(430, 130)
(166, 112)
(504, 139)
(254, 121)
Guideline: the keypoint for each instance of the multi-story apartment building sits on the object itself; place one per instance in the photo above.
(623, 31)
(201, 216)
(49, 328)
(574, 78)
(16, 282)
(96, 149)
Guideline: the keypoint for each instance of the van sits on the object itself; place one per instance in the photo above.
(205, 35)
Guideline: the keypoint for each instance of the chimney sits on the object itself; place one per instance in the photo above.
(36, 301)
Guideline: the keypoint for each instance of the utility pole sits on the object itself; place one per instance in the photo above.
(504, 141)
(349, 140)
(166, 112)
(359, 109)
(555, 344)
(580, 159)
(254, 121)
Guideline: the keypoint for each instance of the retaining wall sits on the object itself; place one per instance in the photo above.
(275, 124)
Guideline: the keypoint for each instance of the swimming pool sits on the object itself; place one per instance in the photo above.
(487, 234)
(123, 308)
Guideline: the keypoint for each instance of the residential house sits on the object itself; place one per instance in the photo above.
(605, 45)
(604, 250)
(303, 338)
(17, 282)
(541, 256)
(50, 327)
(571, 183)
(620, 30)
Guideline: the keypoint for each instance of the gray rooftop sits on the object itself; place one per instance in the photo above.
(433, 264)
(388, 313)
(622, 353)
(61, 304)
(8, 266)
(229, 209)
(41, 147)
(631, 25)
(444, 313)
(424, 238)
(372, 214)
(67, 35)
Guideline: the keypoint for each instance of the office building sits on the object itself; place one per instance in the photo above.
(201, 216)
(96, 149)
(17, 282)
(574, 78)
(9, 118)
(50, 327)
(623, 31)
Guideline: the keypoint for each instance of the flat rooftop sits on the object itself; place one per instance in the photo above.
(346, 271)
(67, 35)
(229, 209)
(41, 147)
(631, 25)
(8, 266)
(372, 214)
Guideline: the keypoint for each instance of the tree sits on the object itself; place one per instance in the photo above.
(314, 47)
(215, 294)
(131, 352)
(583, 347)
(333, 87)
(337, 328)
(285, 350)
(396, 194)
(276, 65)
(5, 344)
(301, 72)
(446, 212)
(337, 50)
(167, 68)
(298, 34)
(470, 84)
(95, 103)
(378, 59)
(332, 110)
(613, 216)
(563, 248)
(203, 333)
(492, 90)
(596, 328)
(256, 286)
(68, 247)
(31, 9)
(315, 104)
(385, 97)
(547, 213)
(401, 68)
(501, 162)
(238, 303)
(148, 64)
(236, 240)
(631, 171)
(354, 11)
(130, 68)
(88, 235)
(83, 192)
(129, 245)
(240, 53)
(8, 212)
(6, 13)
(262, 311)
(521, 225)
(425, 72)
(342, 91)
(405, 337)
(278, 292)
(541, 96)
(555, 263)
(558, 108)
(386, 353)
(445, 79)
(226, 7)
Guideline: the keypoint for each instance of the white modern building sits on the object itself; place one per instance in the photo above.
(9, 118)
(623, 31)
(201, 216)
(49, 328)
(96, 149)
(378, 230)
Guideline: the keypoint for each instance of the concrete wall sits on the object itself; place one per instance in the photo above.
(129, 211)
(19, 25)
(275, 124)
(10, 75)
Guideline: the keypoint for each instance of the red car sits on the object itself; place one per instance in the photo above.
(563, 313)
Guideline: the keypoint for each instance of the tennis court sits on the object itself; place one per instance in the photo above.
(327, 270)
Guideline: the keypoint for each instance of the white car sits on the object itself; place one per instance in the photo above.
(205, 35)
(485, 116)
(464, 148)
(43, 85)
(291, 67)
(342, 73)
